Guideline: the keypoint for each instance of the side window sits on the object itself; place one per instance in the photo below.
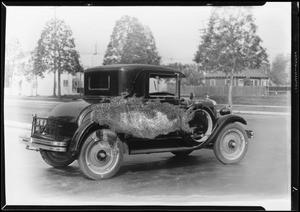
(227, 81)
(162, 85)
(212, 82)
(263, 82)
(240, 82)
(65, 83)
(99, 81)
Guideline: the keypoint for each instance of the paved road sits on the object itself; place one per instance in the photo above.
(21, 110)
(263, 178)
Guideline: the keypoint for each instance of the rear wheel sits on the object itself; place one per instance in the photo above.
(182, 153)
(56, 159)
(231, 144)
(101, 155)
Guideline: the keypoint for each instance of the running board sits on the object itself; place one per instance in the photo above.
(149, 151)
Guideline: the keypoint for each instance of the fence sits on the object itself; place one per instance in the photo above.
(223, 90)
(280, 90)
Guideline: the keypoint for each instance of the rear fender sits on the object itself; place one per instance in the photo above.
(85, 129)
(221, 123)
(77, 139)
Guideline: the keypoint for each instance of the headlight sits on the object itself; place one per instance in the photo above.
(214, 102)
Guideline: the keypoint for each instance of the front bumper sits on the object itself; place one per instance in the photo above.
(37, 143)
(250, 133)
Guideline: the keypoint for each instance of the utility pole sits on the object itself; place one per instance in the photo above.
(95, 53)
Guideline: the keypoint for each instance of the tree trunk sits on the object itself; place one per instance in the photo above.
(230, 90)
(58, 82)
(54, 83)
(58, 75)
(36, 85)
(11, 78)
(11, 84)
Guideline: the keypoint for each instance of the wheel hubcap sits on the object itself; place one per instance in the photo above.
(232, 144)
(101, 155)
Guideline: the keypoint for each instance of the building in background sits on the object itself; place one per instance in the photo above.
(245, 78)
(18, 84)
(37, 86)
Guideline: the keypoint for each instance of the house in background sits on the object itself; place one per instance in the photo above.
(248, 77)
(24, 86)
(20, 85)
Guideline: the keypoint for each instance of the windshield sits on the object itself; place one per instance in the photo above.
(162, 85)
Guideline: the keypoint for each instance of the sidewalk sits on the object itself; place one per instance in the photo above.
(38, 98)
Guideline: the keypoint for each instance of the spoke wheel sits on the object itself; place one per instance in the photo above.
(203, 126)
(56, 159)
(231, 144)
(101, 155)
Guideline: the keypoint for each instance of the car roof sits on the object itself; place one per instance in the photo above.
(135, 68)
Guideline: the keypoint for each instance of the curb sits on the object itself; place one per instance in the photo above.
(264, 106)
(261, 113)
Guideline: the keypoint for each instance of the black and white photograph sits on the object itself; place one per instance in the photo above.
(148, 105)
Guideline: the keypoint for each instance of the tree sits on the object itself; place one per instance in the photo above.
(131, 42)
(278, 73)
(230, 44)
(55, 52)
(12, 54)
(32, 70)
(193, 75)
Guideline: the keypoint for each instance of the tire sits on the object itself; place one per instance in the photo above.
(182, 153)
(231, 144)
(56, 159)
(101, 155)
(203, 124)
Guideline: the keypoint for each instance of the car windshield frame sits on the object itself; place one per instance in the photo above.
(162, 94)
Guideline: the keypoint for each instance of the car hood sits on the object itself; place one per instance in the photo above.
(68, 111)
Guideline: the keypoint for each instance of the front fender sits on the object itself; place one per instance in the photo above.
(221, 123)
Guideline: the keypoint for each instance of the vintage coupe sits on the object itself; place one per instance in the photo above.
(69, 132)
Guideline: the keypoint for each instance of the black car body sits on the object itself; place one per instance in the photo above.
(69, 132)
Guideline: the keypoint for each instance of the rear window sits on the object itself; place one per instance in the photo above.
(99, 81)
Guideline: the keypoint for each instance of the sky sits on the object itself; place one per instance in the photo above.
(175, 28)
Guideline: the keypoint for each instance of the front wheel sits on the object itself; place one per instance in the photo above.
(101, 155)
(231, 144)
(56, 159)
